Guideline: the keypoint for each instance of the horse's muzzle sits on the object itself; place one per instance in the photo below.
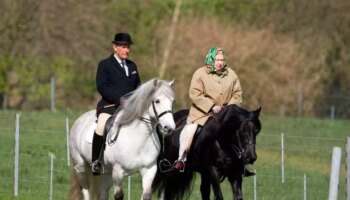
(250, 158)
(166, 130)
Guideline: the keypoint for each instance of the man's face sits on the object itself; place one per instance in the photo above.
(122, 50)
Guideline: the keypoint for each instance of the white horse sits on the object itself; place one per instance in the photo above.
(133, 148)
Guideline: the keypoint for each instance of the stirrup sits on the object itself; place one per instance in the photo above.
(97, 168)
(179, 165)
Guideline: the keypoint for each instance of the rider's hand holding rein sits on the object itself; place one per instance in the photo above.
(216, 109)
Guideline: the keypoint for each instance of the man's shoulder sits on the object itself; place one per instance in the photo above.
(130, 62)
(106, 61)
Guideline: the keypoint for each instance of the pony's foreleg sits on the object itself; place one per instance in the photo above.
(148, 175)
(205, 186)
(236, 185)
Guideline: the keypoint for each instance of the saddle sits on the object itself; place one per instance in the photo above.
(108, 125)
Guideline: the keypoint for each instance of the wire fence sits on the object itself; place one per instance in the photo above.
(300, 167)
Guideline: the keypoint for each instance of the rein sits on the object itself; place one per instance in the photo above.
(182, 119)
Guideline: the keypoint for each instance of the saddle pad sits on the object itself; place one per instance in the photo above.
(90, 134)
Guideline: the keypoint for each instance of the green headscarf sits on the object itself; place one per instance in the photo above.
(210, 61)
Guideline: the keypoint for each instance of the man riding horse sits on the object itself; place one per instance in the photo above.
(116, 76)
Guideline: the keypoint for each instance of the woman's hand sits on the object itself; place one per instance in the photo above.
(216, 109)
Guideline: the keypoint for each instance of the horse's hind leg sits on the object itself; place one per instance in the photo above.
(86, 195)
(83, 178)
(215, 182)
(117, 176)
(106, 185)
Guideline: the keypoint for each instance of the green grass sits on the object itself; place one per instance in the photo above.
(308, 147)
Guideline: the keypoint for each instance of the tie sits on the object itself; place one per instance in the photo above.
(125, 67)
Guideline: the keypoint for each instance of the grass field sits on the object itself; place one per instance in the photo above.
(308, 145)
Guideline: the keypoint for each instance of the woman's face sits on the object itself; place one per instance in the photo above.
(122, 51)
(219, 61)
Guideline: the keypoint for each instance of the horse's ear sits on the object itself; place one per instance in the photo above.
(171, 83)
(155, 82)
(257, 112)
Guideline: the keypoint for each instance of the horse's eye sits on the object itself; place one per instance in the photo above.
(156, 101)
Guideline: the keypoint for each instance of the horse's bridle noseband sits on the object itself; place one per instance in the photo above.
(161, 114)
(149, 121)
(239, 149)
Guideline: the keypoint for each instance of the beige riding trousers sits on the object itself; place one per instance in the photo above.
(101, 122)
(186, 137)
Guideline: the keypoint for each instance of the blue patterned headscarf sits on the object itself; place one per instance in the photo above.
(210, 62)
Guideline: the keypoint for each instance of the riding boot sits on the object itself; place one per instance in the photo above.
(97, 148)
(247, 172)
(181, 163)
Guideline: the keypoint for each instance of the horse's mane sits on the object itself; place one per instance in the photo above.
(228, 119)
(138, 101)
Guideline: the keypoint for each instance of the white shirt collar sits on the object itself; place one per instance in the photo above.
(118, 59)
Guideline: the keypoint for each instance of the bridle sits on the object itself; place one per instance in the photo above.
(238, 148)
(157, 116)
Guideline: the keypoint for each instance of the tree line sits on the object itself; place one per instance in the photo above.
(282, 50)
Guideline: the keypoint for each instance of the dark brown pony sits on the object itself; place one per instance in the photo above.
(221, 148)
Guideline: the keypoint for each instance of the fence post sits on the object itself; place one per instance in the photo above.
(332, 112)
(282, 110)
(4, 102)
(282, 157)
(300, 101)
(348, 168)
(67, 133)
(335, 171)
(52, 156)
(15, 182)
(255, 186)
(305, 190)
(52, 93)
(129, 186)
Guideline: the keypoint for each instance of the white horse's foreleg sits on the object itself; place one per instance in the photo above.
(148, 175)
(118, 174)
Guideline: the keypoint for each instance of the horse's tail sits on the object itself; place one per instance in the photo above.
(173, 185)
(75, 189)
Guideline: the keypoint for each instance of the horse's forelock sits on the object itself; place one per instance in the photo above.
(165, 87)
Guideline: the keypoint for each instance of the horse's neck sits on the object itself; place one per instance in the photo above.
(145, 119)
